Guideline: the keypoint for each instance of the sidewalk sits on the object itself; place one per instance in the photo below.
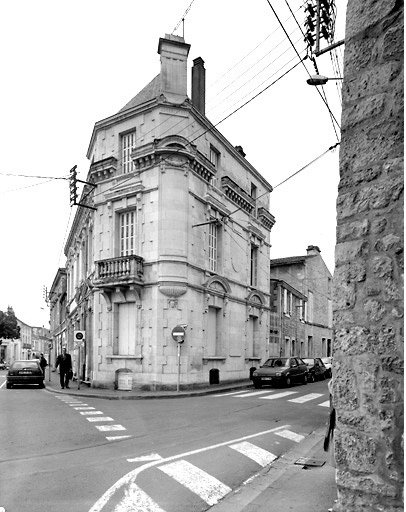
(301, 480)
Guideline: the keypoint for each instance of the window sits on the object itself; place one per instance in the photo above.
(127, 145)
(254, 266)
(127, 233)
(310, 308)
(213, 235)
(301, 310)
(287, 302)
(214, 157)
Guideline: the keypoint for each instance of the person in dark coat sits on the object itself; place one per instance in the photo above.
(43, 363)
(64, 361)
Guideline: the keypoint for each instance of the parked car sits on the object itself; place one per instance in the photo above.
(25, 372)
(328, 363)
(316, 368)
(280, 370)
(3, 366)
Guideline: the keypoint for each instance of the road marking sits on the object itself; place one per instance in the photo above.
(257, 454)
(107, 428)
(325, 404)
(253, 393)
(143, 458)
(3, 384)
(135, 495)
(132, 475)
(278, 395)
(288, 434)
(77, 404)
(305, 398)
(116, 438)
(99, 418)
(81, 408)
(229, 394)
(207, 487)
(90, 413)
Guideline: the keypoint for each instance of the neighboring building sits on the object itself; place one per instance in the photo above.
(301, 318)
(40, 339)
(179, 234)
(57, 302)
(23, 346)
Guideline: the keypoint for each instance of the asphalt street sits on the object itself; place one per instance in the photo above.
(71, 453)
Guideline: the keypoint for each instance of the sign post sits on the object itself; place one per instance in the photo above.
(79, 337)
(178, 334)
(49, 360)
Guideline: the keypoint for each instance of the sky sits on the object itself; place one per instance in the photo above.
(67, 65)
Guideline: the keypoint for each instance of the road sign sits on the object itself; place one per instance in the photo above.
(178, 334)
(79, 335)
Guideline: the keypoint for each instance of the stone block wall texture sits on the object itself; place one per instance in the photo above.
(368, 281)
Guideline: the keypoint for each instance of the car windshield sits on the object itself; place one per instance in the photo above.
(281, 362)
(326, 359)
(24, 364)
(308, 361)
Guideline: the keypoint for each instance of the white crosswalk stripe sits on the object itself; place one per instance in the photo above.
(90, 413)
(207, 487)
(288, 434)
(135, 495)
(99, 418)
(325, 404)
(278, 395)
(305, 398)
(257, 454)
(254, 393)
(229, 394)
(107, 428)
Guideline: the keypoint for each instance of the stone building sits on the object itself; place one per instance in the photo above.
(178, 234)
(301, 305)
(57, 305)
(368, 390)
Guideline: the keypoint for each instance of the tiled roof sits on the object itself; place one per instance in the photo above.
(288, 261)
(150, 91)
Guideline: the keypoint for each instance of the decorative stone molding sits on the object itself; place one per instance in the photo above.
(172, 291)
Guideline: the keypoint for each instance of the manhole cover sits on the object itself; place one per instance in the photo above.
(304, 461)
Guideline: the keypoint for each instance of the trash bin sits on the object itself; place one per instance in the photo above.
(124, 379)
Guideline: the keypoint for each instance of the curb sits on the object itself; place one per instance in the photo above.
(265, 478)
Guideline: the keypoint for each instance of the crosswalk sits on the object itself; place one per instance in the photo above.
(92, 415)
(199, 487)
(270, 394)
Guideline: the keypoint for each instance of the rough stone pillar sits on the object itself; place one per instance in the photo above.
(368, 302)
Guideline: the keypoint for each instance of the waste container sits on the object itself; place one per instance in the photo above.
(124, 379)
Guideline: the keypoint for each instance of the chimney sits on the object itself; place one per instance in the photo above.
(199, 85)
(174, 52)
(313, 249)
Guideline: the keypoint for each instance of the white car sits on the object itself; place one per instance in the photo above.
(328, 362)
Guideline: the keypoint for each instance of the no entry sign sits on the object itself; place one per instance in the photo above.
(178, 334)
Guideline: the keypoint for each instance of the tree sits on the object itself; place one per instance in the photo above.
(8, 325)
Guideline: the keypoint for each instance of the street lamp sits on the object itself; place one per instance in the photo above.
(319, 80)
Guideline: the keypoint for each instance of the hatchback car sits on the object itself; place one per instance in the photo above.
(25, 372)
(328, 363)
(317, 370)
(280, 370)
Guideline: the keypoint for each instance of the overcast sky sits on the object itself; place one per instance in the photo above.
(67, 65)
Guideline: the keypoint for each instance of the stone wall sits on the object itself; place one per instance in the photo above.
(368, 302)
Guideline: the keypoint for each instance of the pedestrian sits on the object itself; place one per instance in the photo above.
(64, 361)
(43, 363)
(331, 423)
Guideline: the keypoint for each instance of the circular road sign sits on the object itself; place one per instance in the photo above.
(178, 334)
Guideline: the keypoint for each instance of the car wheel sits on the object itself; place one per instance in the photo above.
(288, 381)
(8, 385)
(305, 378)
(311, 377)
(257, 384)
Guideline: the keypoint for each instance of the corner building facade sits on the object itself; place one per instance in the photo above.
(179, 234)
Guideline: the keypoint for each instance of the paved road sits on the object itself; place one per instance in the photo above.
(74, 454)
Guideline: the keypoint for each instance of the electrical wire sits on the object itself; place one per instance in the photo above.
(287, 35)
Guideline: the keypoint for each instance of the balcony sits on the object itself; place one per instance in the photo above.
(121, 271)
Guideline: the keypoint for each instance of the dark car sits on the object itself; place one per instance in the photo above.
(328, 363)
(316, 367)
(280, 370)
(25, 372)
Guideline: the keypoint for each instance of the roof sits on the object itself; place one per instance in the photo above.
(288, 261)
(149, 92)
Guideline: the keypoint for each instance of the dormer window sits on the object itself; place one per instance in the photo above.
(127, 145)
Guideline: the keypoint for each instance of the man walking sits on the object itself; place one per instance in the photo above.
(64, 361)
